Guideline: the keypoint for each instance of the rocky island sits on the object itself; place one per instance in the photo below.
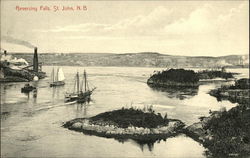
(174, 78)
(212, 74)
(239, 92)
(128, 123)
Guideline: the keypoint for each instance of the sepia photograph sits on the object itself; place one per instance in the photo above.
(125, 78)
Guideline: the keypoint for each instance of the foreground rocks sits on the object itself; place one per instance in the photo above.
(224, 133)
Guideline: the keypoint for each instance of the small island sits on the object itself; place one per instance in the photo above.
(174, 78)
(212, 74)
(128, 123)
(239, 92)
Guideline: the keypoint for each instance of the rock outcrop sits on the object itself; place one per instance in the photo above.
(106, 125)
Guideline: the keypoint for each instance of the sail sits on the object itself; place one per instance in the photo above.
(60, 75)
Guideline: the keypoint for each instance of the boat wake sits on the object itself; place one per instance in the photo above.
(53, 106)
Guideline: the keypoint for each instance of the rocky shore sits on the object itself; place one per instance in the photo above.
(226, 133)
(147, 126)
(238, 93)
(223, 133)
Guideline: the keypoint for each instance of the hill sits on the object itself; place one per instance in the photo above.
(145, 59)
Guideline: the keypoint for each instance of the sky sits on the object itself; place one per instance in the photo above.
(190, 28)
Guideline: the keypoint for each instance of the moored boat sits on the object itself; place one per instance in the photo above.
(27, 88)
(58, 79)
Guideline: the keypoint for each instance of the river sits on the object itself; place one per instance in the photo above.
(31, 124)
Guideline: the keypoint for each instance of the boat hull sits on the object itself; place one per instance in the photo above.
(58, 83)
(82, 97)
(27, 89)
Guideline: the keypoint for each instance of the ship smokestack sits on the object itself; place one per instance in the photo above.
(35, 60)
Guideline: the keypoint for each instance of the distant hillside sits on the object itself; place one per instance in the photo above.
(145, 59)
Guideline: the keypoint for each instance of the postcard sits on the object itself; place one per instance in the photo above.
(124, 78)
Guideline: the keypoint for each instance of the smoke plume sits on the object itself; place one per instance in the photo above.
(2, 49)
(12, 40)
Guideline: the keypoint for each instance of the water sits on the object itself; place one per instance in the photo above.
(31, 125)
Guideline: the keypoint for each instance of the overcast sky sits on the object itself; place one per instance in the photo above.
(193, 28)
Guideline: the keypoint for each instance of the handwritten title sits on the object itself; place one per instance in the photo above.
(54, 8)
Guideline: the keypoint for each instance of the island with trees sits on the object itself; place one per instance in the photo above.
(128, 123)
(174, 78)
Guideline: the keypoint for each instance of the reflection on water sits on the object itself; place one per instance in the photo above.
(31, 123)
(148, 145)
(177, 92)
(81, 110)
(143, 145)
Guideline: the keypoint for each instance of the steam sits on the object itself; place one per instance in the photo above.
(14, 61)
(12, 40)
(2, 49)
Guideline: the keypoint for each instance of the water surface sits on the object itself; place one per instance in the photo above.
(31, 124)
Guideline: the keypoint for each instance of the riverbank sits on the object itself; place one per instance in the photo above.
(224, 133)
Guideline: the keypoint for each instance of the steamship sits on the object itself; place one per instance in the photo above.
(12, 72)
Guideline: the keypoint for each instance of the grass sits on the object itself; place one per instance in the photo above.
(124, 118)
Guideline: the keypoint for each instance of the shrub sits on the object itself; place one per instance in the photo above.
(175, 75)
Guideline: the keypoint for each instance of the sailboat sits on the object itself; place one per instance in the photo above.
(79, 94)
(58, 78)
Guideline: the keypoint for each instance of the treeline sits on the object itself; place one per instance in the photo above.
(175, 75)
(210, 74)
(124, 118)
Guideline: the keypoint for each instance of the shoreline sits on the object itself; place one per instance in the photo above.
(135, 133)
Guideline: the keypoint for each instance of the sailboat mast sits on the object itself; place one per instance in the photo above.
(57, 74)
(53, 75)
(85, 81)
(77, 82)
(81, 86)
